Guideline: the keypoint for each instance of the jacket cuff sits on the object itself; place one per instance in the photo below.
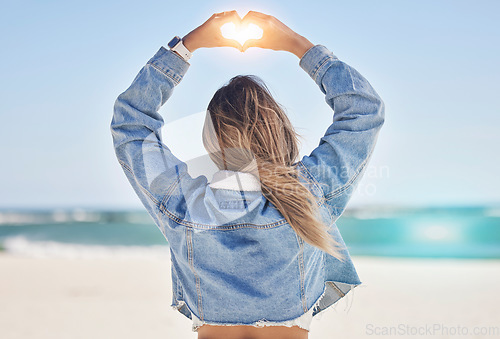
(314, 62)
(170, 63)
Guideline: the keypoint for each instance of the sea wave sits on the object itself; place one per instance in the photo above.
(492, 212)
(72, 215)
(374, 213)
(20, 245)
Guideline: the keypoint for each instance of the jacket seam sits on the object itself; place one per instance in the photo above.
(346, 186)
(315, 182)
(163, 72)
(301, 270)
(217, 227)
(197, 278)
(176, 293)
(174, 185)
(323, 62)
(145, 191)
(125, 165)
(338, 290)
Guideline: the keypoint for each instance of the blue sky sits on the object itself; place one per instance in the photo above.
(434, 63)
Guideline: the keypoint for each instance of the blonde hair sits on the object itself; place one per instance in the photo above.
(247, 130)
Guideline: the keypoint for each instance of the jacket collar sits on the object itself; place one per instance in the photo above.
(233, 180)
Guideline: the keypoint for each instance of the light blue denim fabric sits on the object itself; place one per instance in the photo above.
(245, 264)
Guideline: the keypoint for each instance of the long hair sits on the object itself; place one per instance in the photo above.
(247, 130)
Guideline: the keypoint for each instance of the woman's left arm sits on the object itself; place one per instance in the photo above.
(151, 168)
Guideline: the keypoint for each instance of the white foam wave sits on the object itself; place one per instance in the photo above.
(20, 245)
(371, 214)
(71, 216)
(492, 212)
(55, 216)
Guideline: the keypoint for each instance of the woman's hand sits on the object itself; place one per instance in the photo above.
(209, 34)
(276, 35)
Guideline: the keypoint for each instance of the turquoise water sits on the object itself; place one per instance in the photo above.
(457, 232)
(472, 232)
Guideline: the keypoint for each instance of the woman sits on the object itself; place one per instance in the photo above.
(255, 252)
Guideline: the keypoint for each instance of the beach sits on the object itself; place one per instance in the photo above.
(117, 297)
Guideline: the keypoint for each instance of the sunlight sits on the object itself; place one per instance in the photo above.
(252, 31)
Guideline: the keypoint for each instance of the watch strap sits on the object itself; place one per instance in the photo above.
(182, 50)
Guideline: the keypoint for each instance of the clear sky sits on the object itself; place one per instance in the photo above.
(434, 63)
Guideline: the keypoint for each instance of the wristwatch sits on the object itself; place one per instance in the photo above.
(176, 45)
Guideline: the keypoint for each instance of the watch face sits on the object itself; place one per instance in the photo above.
(174, 42)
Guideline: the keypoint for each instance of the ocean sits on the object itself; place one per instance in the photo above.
(434, 232)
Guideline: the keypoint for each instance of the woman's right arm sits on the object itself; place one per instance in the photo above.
(340, 159)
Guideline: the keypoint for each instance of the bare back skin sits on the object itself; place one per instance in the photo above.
(251, 332)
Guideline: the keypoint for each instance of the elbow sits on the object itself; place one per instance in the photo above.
(380, 112)
(116, 125)
(112, 125)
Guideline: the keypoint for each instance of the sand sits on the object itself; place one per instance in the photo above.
(130, 298)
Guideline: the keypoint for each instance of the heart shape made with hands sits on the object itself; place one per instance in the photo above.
(230, 31)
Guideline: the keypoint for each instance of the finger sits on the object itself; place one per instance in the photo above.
(256, 14)
(222, 13)
(234, 18)
(232, 43)
(253, 17)
(250, 43)
(228, 16)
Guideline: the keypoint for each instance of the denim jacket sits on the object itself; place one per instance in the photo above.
(234, 257)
